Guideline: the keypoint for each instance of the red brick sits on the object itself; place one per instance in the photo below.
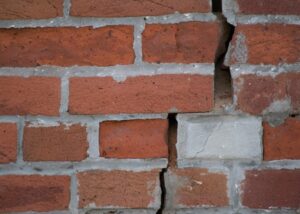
(122, 189)
(266, 44)
(194, 187)
(142, 94)
(271, 188)
(33, 9)
(130, 8)
(256, 93)
(189, 42)
(55, 143)
(66, 46)
(8, 142)
(33, 95)
(280, 7)
(134, 139)
(283, 141)
(20, 193)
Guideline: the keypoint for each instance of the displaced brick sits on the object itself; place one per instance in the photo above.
(192, 187)
(134, 139)
(283, 141)
(60, 142)
(66, 46)
(33, 9)
(33, 95)
(141, 94)
(265, 44)
(20, 193)
(8, 142)
(271, 188)
(122, 189)
(189, 42)
(280, 7)
(256, 94)
(219, 137)
(131, 8)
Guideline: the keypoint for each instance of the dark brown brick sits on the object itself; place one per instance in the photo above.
(8, 142)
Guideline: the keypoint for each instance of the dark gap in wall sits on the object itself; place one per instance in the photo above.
(216, 6)
(172, 157)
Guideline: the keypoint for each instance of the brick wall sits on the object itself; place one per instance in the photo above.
(163, 106)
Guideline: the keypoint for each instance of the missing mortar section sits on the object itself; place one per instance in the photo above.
(172, 158)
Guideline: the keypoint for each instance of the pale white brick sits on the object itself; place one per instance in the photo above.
(219, 137)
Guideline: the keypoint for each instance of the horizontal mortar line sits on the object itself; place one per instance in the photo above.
(261, 19)
(118, 72)
(101, 22)
(83, 119)
(263, 70)
(69, 168)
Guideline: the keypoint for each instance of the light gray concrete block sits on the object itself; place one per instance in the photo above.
(219, 137)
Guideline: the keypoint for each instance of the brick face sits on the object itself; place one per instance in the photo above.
(33, 9)
(8, 142)
(103, 188)
(56, 143)
(129, 8)
(283, 141)
(147, 94)
(20, 193)
(266, 44)
(194, 187)
(189, 42)
(282, 7)
(29, 96)
(66, 46)
(134, 139)
(271, 188)
(256, 93)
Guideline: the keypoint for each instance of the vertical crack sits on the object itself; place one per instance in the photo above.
(172, 158)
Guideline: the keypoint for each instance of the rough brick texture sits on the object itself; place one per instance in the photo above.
(192, 187)
(66, 46)
(147, 94)
(266, 44)
(34, 193)
(123, 189)
(189, 42)
(55, 143)
(282, 141)
(33, 95)
(8, 142)
(281, 7)
(129, 8)
(33, 9)
(258, 93)
(134, 139)
(271, 188)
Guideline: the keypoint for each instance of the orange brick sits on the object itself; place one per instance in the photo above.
(8, 142)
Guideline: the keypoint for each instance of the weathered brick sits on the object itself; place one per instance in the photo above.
(265, 44)
(33, 95)
(219, 137)
(20, 193)
(271, 188)
(33, 9)
(134, 139)
(255, 94)
(122, 189)
(283, 141)
(142, 94)
(8, 142)
(66, 46)
(130, 8)
(189, 42)
(60, 142)
(280, 7)
(193, 187)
